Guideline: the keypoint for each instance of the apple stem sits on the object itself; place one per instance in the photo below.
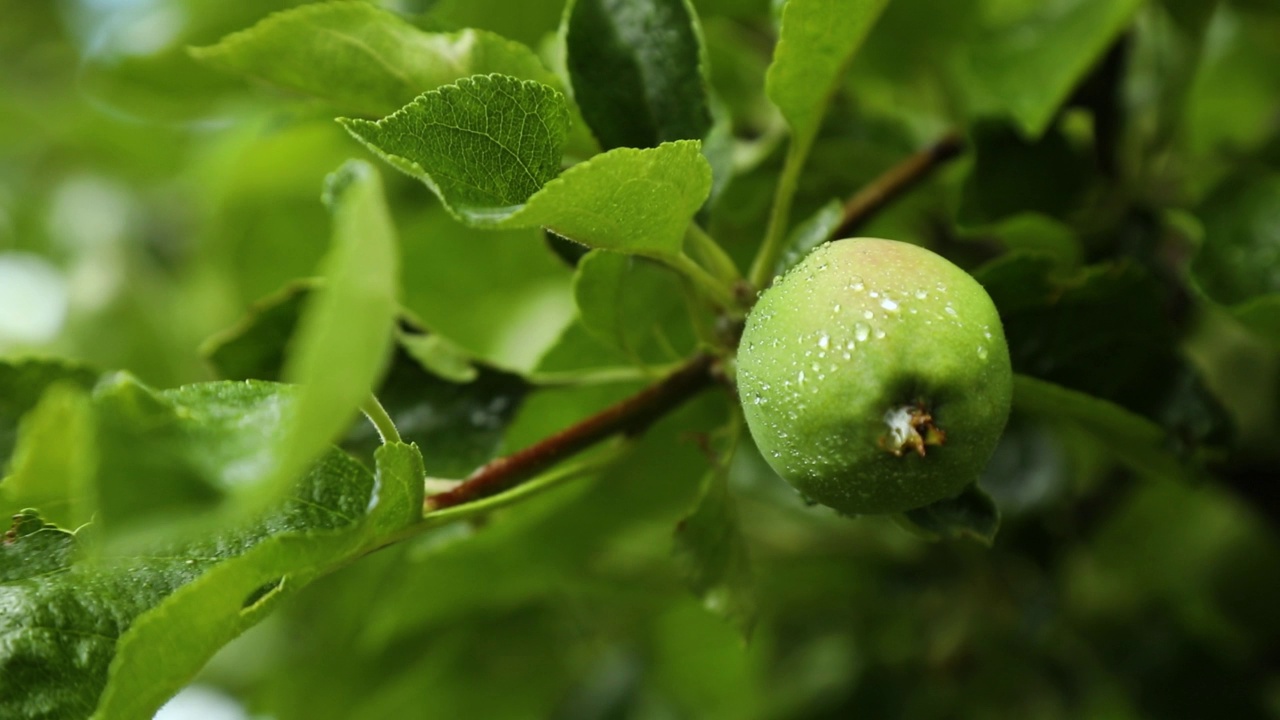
(911, 428)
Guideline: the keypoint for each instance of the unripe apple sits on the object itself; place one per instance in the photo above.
(875, 376)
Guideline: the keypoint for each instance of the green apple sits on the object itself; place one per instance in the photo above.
(875, 376)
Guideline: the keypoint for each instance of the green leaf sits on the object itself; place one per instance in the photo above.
(1238, 264)
(1030, 54)
(54, 462)
(364, 59)
(497, 293)
(528, 21)
(1261, 316)
(1063, 325)
(578, 349)
(458, 426)
(455, 408)
(398, 483)
(629, 303)
(439, 356)
(88, 634)
(22, 382)
(167, 459)
(1012, 175)
(1030, 233)
(1237, 87)
(1137, 442)
(544, 546)
(633, 201)
(972, 514)
(810, 233)
(255, 346)
(712, 554)
(816, 43)
(636, 67)
(488, 145)
(484, 144)
(344, 338)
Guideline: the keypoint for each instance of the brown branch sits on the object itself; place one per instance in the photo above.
(632, 416)
(894, 182)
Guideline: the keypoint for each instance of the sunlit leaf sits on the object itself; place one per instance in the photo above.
(629, 303)
(712, 553)
(345, 334)
(489, 147)
(816, 43)
(22, 382)
(453, 407)
(364, 59)
(483, 144)
(54, 462)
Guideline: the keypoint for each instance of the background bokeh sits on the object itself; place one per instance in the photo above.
(146, 201)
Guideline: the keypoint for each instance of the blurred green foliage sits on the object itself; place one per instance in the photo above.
(1119, 198)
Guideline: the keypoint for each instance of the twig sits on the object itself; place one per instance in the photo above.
(631, 415)
(895, 181)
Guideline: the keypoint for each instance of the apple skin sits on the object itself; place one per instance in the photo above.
(875, 376)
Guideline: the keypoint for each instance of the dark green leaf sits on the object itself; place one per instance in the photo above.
(712, 554)
(96, 635)
(1134, 440)
(457, 418)
(255, 346)
(1237, 87)
(1031, 54)
(458, 426)
(811, 233)
(1012, 175)
(1262, 316)
(1063, 326)
(1239, 260)
(1034, 234)
(22, 382)
(637, 70)
(53, 464)
(972, 514)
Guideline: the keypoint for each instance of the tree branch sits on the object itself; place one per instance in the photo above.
(632, 416)
(894, 182)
